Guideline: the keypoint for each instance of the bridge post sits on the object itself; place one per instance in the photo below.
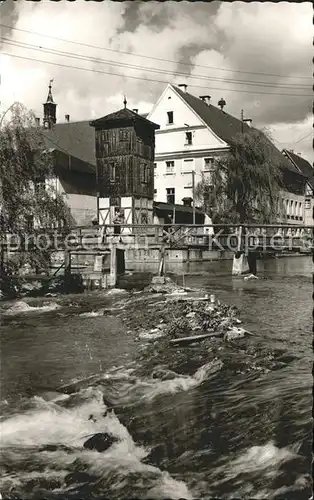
(161, 268)
(113, 264)
(67, 268)
(240, 264)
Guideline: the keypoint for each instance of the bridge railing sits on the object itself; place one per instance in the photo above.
(211, 236)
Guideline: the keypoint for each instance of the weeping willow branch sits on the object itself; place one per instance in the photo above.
(27, 195)
(245, 184)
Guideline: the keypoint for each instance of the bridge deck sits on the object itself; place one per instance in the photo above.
(94, 240)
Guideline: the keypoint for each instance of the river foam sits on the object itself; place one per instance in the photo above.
(169, 382)
(42, 450)
(24, 307)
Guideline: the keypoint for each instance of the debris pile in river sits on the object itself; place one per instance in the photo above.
(184, 318)
(196, 317)
(163, 284)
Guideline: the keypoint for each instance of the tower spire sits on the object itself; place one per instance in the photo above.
(49, 97)
(125, 102)
(49, 108)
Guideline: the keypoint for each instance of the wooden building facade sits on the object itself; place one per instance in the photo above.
(125, 147)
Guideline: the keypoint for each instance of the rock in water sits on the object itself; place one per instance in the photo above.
(235, 333)
(250, 277)
(100, 442)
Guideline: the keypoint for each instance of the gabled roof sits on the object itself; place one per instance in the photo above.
(302, 165)
(122, 115)
(227, 126)
(221, 123)
(74, 138)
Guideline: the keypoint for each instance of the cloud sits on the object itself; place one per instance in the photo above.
(208, 43)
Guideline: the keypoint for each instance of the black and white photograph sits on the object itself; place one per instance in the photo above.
(156, 244)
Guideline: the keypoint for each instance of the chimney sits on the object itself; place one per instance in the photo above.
(183, 86)
(222, 103)
(187, 201)
(67, 118)
(205, 98)
(37, 120)
(135, 110)
(248, 121)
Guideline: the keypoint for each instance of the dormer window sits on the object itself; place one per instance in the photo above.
(170, 117)
(188, 138)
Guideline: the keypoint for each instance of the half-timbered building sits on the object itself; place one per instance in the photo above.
(125, 145)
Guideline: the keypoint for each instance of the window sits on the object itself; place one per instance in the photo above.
(188, 138)
(112, 172)
(170, 117)
(307, 203)
(119, 213)
(208, 164)
(105, 135)
(170, 195)
(155, 191)
(123, 135)
(169, 167)
(139, 146)
(144, 173)
(40, 185)
(187, 166)
(144, 218)
(155, 165)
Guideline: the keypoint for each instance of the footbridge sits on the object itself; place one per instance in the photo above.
(224, 237)
(103, 250)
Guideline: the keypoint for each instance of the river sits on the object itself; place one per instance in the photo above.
(243, 431)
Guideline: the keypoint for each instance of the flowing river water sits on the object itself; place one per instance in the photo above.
(75, 366)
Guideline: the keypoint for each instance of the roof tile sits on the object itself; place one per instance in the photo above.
(227, 126)
(302, 164)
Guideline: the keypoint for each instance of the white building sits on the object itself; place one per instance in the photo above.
(185, 143)
(306, 169)
(192, 134)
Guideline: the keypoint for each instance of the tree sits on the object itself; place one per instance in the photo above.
(245, 183)
(28, 196)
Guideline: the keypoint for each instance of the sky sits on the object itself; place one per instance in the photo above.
(257, 56)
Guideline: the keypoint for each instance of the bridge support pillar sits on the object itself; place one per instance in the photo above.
(161, 268)
(67, 269)
(113, 265)
(117, 263)
(240, 264)
(251, 259)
